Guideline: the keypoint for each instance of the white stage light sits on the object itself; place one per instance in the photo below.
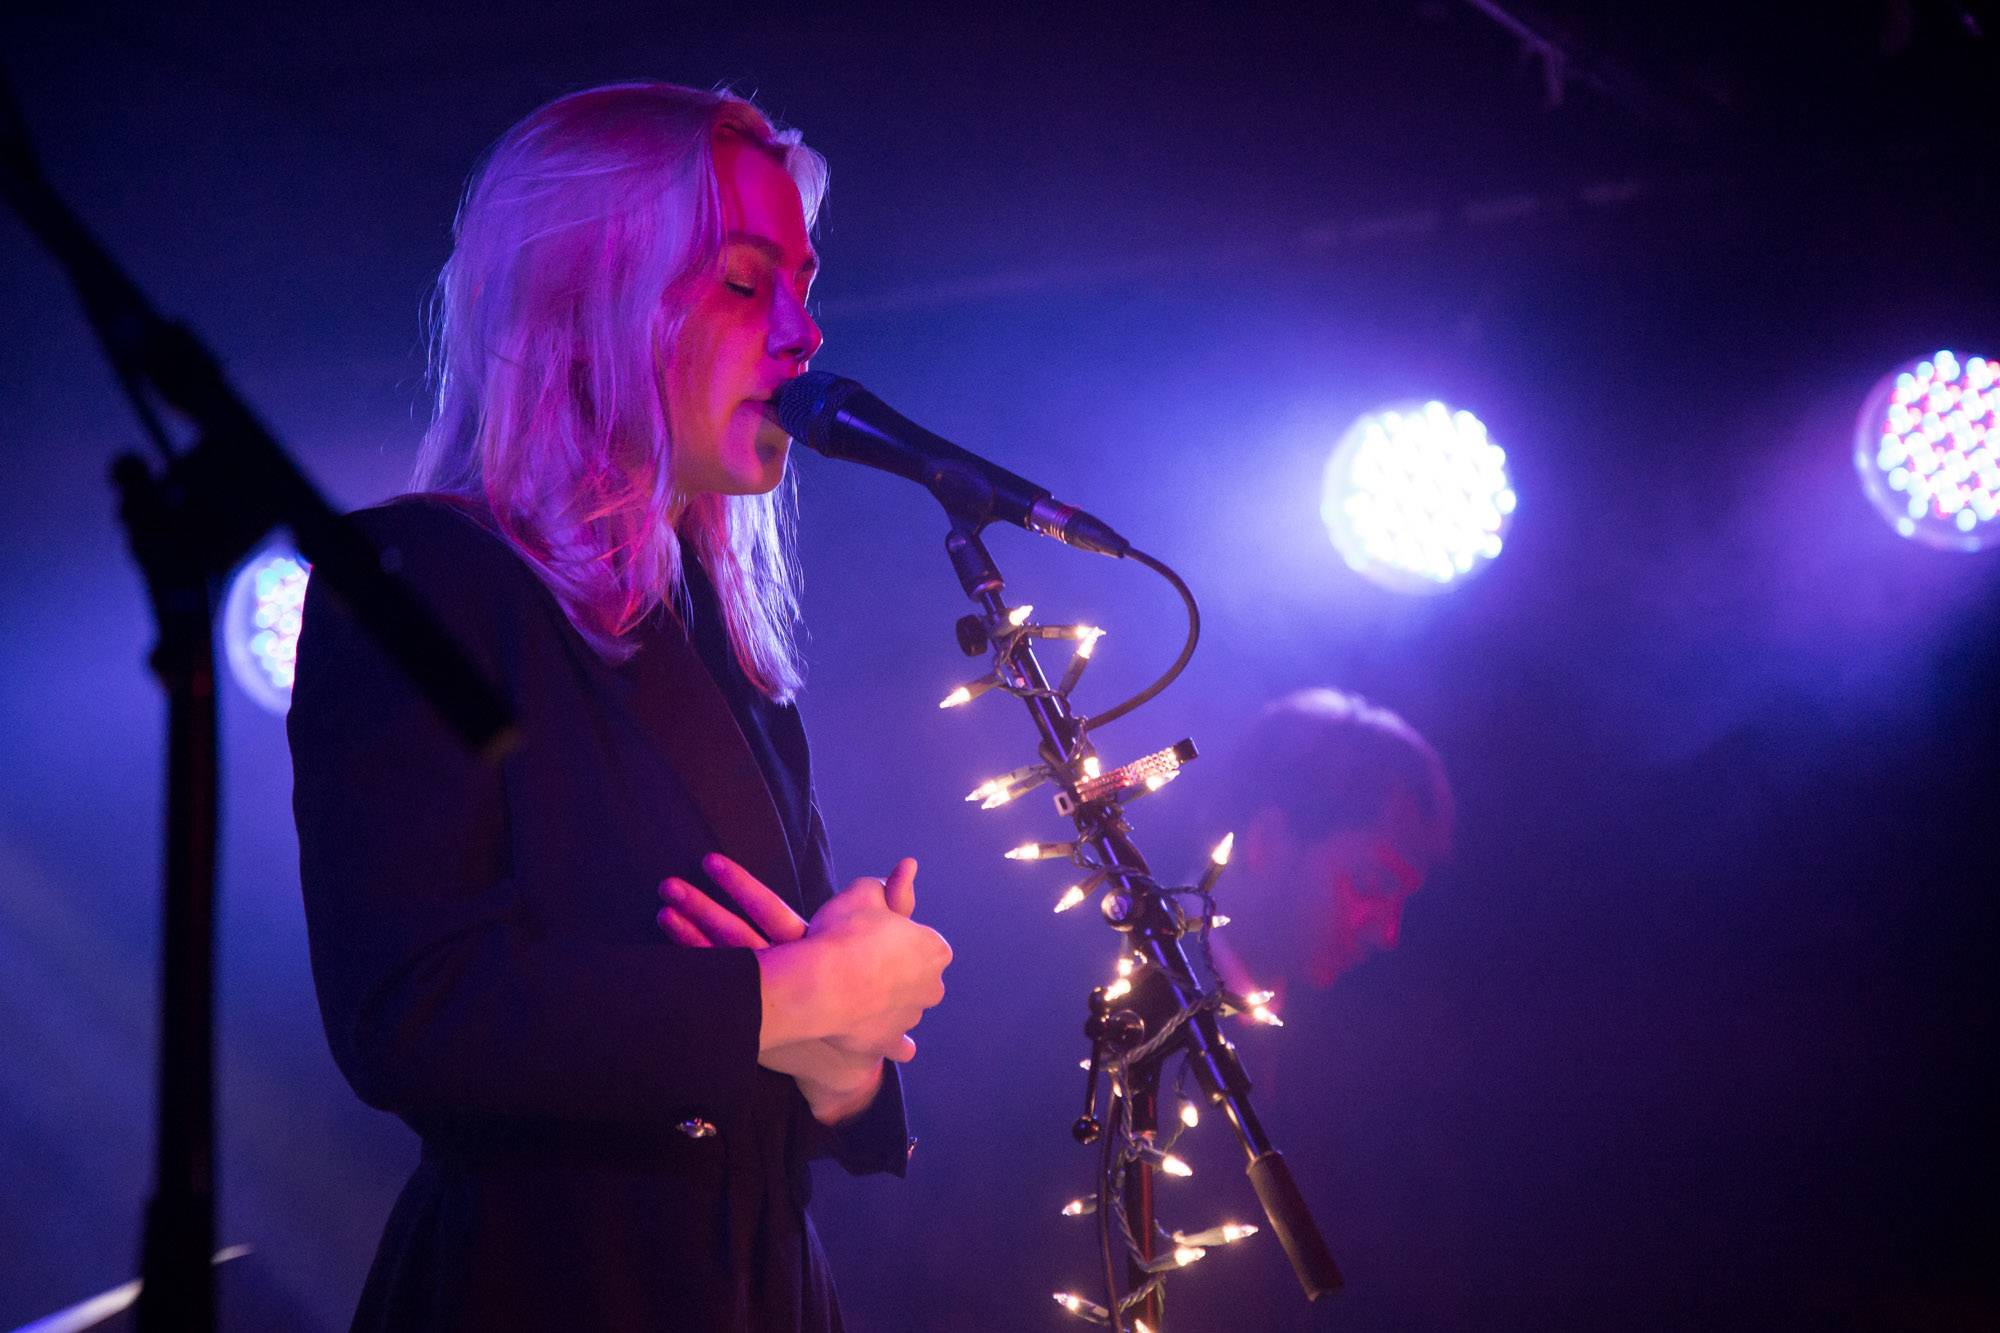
(260, 624)
(1416, 497)
(1927, 447)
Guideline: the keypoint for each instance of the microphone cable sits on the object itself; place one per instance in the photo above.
(1112, 714)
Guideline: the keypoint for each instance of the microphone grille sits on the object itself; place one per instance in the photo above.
(807, 405)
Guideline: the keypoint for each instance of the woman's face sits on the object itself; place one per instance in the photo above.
(746, 332)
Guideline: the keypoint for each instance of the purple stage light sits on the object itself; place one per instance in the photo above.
(260, 624)
(1416, 497)
(1927, 446)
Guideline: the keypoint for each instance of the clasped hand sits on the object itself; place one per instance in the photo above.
(841, 991)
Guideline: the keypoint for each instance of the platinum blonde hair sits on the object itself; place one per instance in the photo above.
(577, 247)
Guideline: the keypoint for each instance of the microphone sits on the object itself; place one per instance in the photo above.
(837, 417)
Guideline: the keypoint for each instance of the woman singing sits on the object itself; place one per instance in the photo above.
(618, 1081)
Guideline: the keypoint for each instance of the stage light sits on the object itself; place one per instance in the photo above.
(1416, 497)
(260, 624)
(1927, 446)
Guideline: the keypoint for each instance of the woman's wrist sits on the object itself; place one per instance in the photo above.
(844, 1097)
(798, 1002)
(836, 1085)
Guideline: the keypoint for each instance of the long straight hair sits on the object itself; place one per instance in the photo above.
(576, 249)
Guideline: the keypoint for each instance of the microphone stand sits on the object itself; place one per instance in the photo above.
(1135, 1029)
(188, 525)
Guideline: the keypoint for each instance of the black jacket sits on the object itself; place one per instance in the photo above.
(601, 1149)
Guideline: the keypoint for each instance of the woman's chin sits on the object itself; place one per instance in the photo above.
(769, 468)
(771, 448)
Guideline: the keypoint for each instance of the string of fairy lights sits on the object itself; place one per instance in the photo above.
(1122, 1042)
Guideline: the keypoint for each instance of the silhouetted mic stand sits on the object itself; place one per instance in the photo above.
(190, 519)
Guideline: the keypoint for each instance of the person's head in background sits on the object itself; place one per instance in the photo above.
(1340, 810)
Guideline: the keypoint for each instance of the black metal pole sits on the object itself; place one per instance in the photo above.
(177, 1289)
(1142, 1109)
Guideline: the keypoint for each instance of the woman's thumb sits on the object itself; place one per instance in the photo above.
(900, 889)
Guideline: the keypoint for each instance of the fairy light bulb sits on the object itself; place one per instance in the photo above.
(1190, 1114)
(1187, 1254)
(1078, 1207)
(1174, 1166)
(1219, 920)
(1019, 616)
(1125, 965)
(1073, 673)
(1077, 1305)
(1086, 641)
(999, 790)
(1262, 1013)
(1217, 859)
(965, 694)
(1118, 989)
(1072, 895)
(1226, 1234)
(1092, 766)
(1256, 999)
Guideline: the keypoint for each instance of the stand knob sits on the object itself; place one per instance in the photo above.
(972, 637)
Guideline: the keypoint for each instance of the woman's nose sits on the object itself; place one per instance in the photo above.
(795, 336)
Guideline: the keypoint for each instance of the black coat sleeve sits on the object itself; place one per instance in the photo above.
(876, 1140)
(444, 989)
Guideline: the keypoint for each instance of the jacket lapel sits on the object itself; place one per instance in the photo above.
(813, 862)
(680, 707)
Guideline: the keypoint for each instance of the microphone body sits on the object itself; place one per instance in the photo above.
(835, 416)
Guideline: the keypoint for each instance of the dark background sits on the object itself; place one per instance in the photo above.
(1697, 1030)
